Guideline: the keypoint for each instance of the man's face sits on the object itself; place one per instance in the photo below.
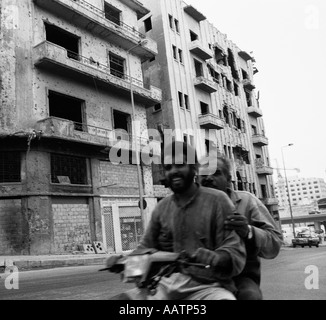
(218, 180)
(178, 176)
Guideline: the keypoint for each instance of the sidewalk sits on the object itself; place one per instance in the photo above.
(52, 261)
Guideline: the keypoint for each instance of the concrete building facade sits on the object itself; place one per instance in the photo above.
(304, 195)
(65, 94)
(209, 96)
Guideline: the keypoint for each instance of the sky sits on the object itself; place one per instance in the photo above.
(288, 41)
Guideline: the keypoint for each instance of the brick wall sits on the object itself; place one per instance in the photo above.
(11, 227)
(124, 176)
(161, 192)
(71, 226)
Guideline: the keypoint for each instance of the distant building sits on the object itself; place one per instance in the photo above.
(304, 194)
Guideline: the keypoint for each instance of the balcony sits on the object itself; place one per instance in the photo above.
(198, 50)
(239, 164)
(254, 111)
(205, 84)
(245, 56)
(262, 168)
(247, 83)
(193, 12)
(259, 140)
(136, 6)
(93, 19)
(269, 201)
(58, 128)
(210, 121)
(55, 59)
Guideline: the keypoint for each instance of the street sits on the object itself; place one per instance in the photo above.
(68, 283)
(283, 278)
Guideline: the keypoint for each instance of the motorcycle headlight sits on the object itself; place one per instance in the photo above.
(135, 266)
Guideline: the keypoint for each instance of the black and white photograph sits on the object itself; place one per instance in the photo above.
(162, 150)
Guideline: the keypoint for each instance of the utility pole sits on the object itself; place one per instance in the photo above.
(288, 189)
(139, 174)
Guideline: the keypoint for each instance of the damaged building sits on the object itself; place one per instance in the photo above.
(78, 77)
(209, 96)
(70, 80)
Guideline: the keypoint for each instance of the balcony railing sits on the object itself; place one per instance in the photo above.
(262, 168)
(245, 56)
(197, 49)
(254, 111)
(59, 128)
(247, 83)
(205, 84)
(91, 8)
(193, 12)
(99, 22)
(210, 121)
(259, 140)
(51, 56)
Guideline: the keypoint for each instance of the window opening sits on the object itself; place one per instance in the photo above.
(186, 101)
(238, 123)
(204, 108)
(193, 36)
(148, 24)
(215, 75)
(231, 62)
(122, 121)
(171, 21)
(226, 115)
(112, 14)
(66, 107)
(220, 56)
(198, 68)
(248, 98)
(10, 167)
(63, 39)
(116, 65)
(254, 129)
(68, 169)
(180, 56)
(244, 74)
(157, 107)
(174, 48)
(180, 99)
(240, 183)
(236, 89)
(176, 23)
(228, 85)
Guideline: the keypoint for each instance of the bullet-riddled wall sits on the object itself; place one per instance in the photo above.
(44, 210)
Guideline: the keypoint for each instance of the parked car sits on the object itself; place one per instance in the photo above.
(306, 239)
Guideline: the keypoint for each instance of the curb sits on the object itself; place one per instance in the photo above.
(48, 263)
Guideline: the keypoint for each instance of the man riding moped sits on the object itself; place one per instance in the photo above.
(190, 222)
(253, 223)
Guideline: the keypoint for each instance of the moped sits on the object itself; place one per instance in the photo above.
(145, 267)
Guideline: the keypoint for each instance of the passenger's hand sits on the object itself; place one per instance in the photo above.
(111, 263)
(206, 257)
(238, 223)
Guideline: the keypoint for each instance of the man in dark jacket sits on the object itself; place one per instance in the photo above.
(191, 220)
(253, 223)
